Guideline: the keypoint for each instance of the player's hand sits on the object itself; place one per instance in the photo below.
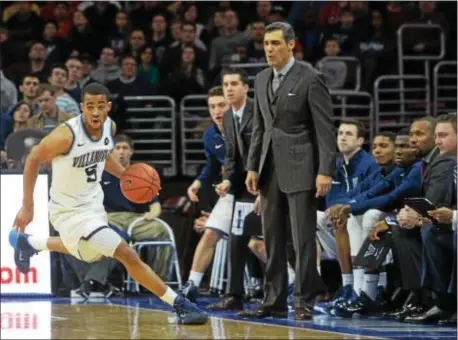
(222, 188)
(379, 227)
(23, 218)
(323, 185)
(257, 205)
(193, 190)
(251, 182)
(199, 223)
(442, 215)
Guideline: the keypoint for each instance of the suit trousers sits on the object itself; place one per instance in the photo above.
(437, 259)
(452, 286)
(407, 253)
(300, 208)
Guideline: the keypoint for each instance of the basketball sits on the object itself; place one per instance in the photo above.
(140, 183)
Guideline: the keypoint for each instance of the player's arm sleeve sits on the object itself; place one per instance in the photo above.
(320, 104)
(209, 168)
(254, 154)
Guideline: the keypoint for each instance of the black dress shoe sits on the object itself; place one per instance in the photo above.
(228, 302)
(264, 312)
(303, 313)
(433, 315)
(451, 321)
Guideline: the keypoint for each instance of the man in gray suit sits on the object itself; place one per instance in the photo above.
(291, 161)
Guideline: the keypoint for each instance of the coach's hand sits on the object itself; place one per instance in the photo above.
(251, 182)
(323, 185)
(379, 227)
(193, 190)
(23, 218)
(223, 188)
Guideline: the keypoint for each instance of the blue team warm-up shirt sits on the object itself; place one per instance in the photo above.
(215, 152)
(115, 201)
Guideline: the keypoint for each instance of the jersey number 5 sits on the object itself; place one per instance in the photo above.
(91, 173)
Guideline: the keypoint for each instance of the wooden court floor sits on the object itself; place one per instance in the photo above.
(70, 319)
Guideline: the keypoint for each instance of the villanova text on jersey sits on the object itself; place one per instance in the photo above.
(90, 158)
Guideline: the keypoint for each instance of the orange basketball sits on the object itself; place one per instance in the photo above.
(140, 183)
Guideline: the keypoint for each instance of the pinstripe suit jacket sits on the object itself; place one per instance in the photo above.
(296, 124)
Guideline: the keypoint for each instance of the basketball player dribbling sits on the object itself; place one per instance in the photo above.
(79, 151)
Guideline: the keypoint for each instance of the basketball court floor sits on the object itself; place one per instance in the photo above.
(147, 318)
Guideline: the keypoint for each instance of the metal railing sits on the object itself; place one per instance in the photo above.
(397, 111)
(351, 78)
(356, 105)
(152, 126)
(445, 88)
(425, 58)
(194, 118)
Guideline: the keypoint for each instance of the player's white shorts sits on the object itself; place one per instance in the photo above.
(85, 232)
(221, 216)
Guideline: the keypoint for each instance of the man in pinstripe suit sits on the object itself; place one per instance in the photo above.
(291, 160)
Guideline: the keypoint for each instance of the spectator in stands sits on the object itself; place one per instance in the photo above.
(330, 14)
(407, 243)
(136, 42)
(344, 32)
(75, 74)
(128, 84)
(84, 38)
(101, 15)
(174, 54)
(334, 71)
(403, 182)
(14, 120)
(361, 13)
(189, 13)
(62, 16)
(263, 9)
(56, 48)
(255, 48)
(58, 79)
(37, 61)
(217, 24)
(8, 93)
(122, 212)
(28, 90)
(175, 30)
(187, 79)
(87, 66)
(107, 69)
(375, 51)
(145, 68)
(12, 50)
(215, 153)
(225, 47)
(118, 38)
(439, 269)
(160, 38)
(23, 23)
(141, 15)
(397, 14)
(49, 115)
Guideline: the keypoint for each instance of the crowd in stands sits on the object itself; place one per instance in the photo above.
(50, 50)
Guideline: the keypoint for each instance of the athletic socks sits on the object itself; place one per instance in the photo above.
(358, 274)
(169, 296)
(370, 285)
(347, 279)
(291, 275)
(382, 279)
(196, 278)
(38, 243)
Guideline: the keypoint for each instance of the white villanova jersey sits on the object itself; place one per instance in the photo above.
(76, 175)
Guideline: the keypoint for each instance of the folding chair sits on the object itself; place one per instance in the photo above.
(219, 267)
(138, 246)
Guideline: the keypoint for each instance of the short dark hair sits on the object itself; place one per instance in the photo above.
(58, 66)
(235, 70)
(188, 23)
(360, 129)
(121, 138)
(405, 131)
(30, 75)
(42, 88)
(95, 89)
(388, 134)
(216, 91)
(287, 29)
(431, 120)
(447, 118)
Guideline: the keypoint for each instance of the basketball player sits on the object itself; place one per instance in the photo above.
(80, 150)
(219, 221)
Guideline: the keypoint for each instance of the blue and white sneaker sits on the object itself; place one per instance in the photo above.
(23, 251)
(187, 313)
(341, 295)
(290, 299)
(190, 291)
(341, 307)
